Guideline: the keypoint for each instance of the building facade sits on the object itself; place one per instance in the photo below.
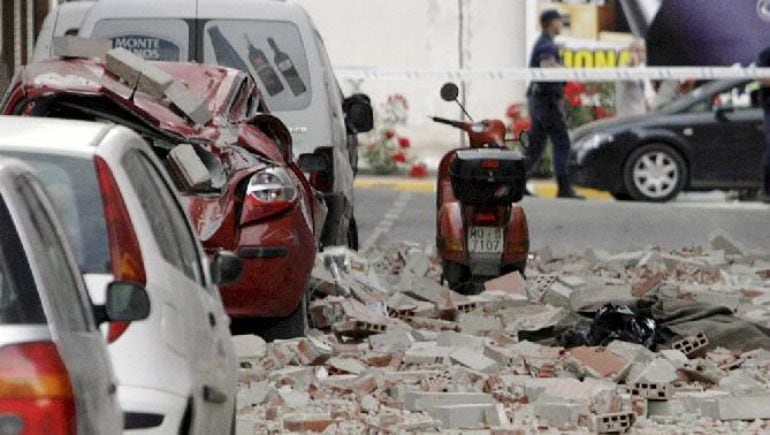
(20, 21)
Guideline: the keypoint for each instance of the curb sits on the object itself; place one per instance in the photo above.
(542, 189)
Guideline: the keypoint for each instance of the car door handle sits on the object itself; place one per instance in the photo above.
(212, 320)
(214, 395)
(112, 388)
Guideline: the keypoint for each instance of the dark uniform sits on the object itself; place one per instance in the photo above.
(546, 112)
(764, 95)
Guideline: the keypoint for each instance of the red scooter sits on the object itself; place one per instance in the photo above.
(481, 232)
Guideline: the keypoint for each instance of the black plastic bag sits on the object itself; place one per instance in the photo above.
(614, 322)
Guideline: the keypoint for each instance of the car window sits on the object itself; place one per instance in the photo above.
(152, 39)
(19, 300)
(272, 51)
(57, 273)
(738, 97)
(169, 226)
(72, 185)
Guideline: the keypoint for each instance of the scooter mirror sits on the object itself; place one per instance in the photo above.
(450, 92)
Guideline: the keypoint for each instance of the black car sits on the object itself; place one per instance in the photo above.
(710, 139)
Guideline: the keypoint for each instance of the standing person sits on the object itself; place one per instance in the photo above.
(631, 96)
(545, 106)
(764, 61)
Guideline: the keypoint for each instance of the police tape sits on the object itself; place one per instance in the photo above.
(557, 74)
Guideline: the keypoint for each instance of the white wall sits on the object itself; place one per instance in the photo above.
(425, 34)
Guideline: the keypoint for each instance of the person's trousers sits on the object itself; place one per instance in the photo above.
(548, 122)
(767, 152)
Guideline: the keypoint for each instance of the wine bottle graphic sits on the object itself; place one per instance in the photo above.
(224, 52)
(265, 71)
(287, 69)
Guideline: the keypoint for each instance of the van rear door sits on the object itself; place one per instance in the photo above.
(153, 29)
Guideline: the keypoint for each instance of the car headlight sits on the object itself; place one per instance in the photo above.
(591, 143)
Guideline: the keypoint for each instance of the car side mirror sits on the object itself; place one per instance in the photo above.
(126, 302)
(721, 113)
(226, 268)
(450, 92)
(359, 115)
(313, 162)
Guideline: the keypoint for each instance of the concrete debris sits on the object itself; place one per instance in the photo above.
(395, 351)
(690, 346)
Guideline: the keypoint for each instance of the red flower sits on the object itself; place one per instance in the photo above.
(573, 92)
(601, 112)
(520, 126)
(390, 134)
(398, 98)
(404, 142)
(418, 170)
(514, 111)
(399, 157)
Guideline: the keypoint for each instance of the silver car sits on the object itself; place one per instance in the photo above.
(176, 370)
(55, 373)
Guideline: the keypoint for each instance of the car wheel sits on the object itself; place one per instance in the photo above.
(353, 234)
(655, 173)
(293, 326)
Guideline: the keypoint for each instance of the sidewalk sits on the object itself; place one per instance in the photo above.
(541, 188)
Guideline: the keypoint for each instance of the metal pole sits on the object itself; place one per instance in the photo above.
(461, 56)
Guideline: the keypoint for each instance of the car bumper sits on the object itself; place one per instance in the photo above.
(278, 257)
(149, 411)
(596, 172)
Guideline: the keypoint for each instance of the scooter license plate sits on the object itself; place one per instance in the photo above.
(485, 240)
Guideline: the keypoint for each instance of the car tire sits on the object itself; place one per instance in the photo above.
(293, 326)
(655, 173)
(353, 234)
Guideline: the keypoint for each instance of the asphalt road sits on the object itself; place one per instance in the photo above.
(386, 216)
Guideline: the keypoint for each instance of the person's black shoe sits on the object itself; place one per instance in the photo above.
(570, 195)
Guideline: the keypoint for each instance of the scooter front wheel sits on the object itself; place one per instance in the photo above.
(455, 275)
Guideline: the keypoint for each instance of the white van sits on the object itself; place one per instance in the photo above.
(274, 40)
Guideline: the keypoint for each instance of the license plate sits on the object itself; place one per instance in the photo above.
(485, 240)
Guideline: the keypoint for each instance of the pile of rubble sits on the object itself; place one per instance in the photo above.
(392, 350)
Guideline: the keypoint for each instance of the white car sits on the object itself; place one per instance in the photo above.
(176, 370)
(275, 41)
(52, 355)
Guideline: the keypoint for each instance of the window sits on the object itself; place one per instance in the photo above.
(57, 274)
(272, 51)
(19, 299)
(738, 97)
(152, 39)
(74, 190)
(168, 222)
(741, 97)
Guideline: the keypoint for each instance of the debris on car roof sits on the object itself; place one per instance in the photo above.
(67, 47)
(141, 75)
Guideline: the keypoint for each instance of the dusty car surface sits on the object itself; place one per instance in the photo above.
(244, 192)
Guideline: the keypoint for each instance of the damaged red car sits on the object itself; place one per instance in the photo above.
(232, 162)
